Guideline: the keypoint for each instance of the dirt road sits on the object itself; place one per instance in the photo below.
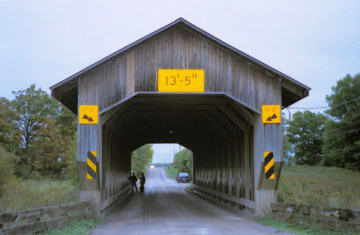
(166, 208)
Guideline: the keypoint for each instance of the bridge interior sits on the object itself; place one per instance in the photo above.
(216, 128)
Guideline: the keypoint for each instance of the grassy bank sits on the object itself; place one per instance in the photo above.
(27, 194)
(315, 186)
(81, 227)
(298, 229)
(171, 172)
(320, 186)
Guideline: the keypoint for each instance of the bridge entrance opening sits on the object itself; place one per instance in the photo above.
(215, 127)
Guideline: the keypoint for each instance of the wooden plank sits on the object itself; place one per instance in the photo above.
(241, 201)
(34, 215)
(113, 199)
(38, 226)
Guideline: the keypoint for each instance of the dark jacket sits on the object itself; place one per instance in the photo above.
(132, 179)
(142, 179)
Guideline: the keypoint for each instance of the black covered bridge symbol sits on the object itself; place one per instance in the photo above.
(271, 118)
(87, 118)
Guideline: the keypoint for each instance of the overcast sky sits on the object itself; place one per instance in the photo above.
(315, 42)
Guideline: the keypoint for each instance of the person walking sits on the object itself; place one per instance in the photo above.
(132, 178)
(142, 182)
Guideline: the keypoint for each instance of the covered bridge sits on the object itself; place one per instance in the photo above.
(221, 123)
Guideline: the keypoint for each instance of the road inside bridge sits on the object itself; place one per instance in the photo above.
(166, 208)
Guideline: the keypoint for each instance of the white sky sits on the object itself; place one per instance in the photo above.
(315, 42)
(164, 153)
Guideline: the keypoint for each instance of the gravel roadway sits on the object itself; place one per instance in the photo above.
(166, 208)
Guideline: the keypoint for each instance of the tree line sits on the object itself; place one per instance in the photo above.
(331, 138)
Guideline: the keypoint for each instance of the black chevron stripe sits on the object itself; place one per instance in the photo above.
(269, 172)
(268, 158)
(91, 157)
(91, 172)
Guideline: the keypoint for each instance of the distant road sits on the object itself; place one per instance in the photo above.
(166, 208)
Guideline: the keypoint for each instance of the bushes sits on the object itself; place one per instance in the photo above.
(6, 169)
(16, 194)
(26, 194)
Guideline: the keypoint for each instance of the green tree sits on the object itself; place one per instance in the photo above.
(183, 161)
(305, 133)
(32, 105)
(67, 125)
(342, 133)
(141, 158)
(37, 111)
(66, 122)
(287, 151)
(10, 135)
(70, 171)
(48, 150)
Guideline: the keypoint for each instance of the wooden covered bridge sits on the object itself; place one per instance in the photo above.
(182, 85)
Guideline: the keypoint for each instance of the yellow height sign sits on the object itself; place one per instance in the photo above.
(181, 80)
(271, 113)
(88, 114)
(91, 167)
(269, 169)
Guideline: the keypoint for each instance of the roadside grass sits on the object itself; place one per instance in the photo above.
(28, 194)
(171, 172)
(80, 227)
(299, 229)
(319, 186)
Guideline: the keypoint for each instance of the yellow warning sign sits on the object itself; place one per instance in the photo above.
(181, 80)
(269, 169)
(271, 113)
(88, 114)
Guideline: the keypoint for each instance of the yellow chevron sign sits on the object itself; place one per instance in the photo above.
(269, 169)
(91, 167)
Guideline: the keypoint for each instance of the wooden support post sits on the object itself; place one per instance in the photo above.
(266, 138)
(89, 139)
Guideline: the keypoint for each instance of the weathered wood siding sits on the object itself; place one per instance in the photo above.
(179, 47)
(226, 165)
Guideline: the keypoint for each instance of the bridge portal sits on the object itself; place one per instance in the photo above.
(221, 124)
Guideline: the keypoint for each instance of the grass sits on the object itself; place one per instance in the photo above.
(299, 229)
(80, 227)
(171, 172)
(320, 186)
(28, 194)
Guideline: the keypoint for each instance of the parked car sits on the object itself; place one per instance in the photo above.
(183, 177)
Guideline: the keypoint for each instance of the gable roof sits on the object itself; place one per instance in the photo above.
(73, 78)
